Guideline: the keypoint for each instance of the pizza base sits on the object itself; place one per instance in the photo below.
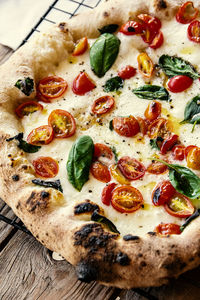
(97, 253)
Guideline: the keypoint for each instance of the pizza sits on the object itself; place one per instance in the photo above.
(100, 149)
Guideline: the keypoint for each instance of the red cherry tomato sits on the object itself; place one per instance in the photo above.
(142, 124)
(178, 152)
(80, 47)
(152, 26)
(193, 158)
(179, 206)
(179, 83)
(126, 199)
(46, 166)
(127, 72)
(51, 87)
(132, 28)
(62, 122)
(107, 193)
(126, 126)
(186, 13)
(167, 229)
(145, 65)
(100, 171)
(157, 41)
(102, 105)
(159, 127)
(153, 111)
(27, 108)
(156, 168)
(168, 143)
(82, 84)
(194, 32)
(188, 149)
(42, 135)
(131, 168)
(102, 150)
(162, 193)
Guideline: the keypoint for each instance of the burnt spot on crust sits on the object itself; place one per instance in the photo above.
(106, 14)
(18, 206)
(25, 167)
(160, 4)
(173, 266)
(85, 207)
(130, 237)
(86, 272)
(37, 201)
(44, 194)
(63, 27)
(15, 177)
(151, 233)
(122, 259)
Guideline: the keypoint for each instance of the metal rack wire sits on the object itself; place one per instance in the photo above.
(60, 10)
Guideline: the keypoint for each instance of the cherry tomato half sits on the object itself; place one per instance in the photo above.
(152, 26)
(162, 193)
(102, 105)
(153, 110)
(193, 157)
(186, 13)
(159, 127)
(107, 193)
(168, 143)
(131, 168)
(188, 149)
(27, 108)
(156, 168)
(179, 206)
(102, 150)
(42, 135)
(178, 152)
(62, 122)
(168, 228)
(179, 83)
(46, 166)
(194, 32)
(157, 41)
(142, 124)
(51, 87)
(82, 84)
(145, 65)
(126, 126)
(80, 47)
(126, 199)
(132, 28)
(117, 175)
(100, 171)
(127, 72)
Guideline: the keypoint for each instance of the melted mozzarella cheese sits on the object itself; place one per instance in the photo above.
(126, 103)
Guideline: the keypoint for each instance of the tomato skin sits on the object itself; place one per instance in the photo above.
(145, 65)
(46, 166)
(167, 229)
(179, 83)
(107, 193)
(100, 172)
(132, 28)
(194, 32)
(193, 158)
(42, 135)
(126, 199)
(127, 72)
(142, 124)
(178, 152)
(102, 105)
(170, 206)
(168, 143)
(159, 127)
(152, 27)
(182, 16)
(27, 108)
(157, 41)
(131, 168)
(126, 126)
(82, 84)
(162, 193)
(153, 110)
(188, 148)
(117, 175)
(80, 47)
(51, 87)
(156, 168)
(59, 118)
(102, 150)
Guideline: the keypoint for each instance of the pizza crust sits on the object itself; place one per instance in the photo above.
(97, 253)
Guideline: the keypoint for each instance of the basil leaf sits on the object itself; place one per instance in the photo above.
(23, 144)
(108, 28)
(192, 108)
(111, 125)
(25, 85)
(114, 150)
(195, 119)
(52, 184)
(113, 84)
(152, 92)
(103, 53)
(79, 161)
(101, 219)
(195, 215)
(154, 142)
(173, 65)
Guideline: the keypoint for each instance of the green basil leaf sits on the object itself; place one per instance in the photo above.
(111, 28)
(195, 119)
(113, 84)
(173, 65)
(114, 150)
(154, 142)
(192, 108)
(23, 144)
(103, 53)
(111, 125)
(101, 219)
(195, 215)
(25, 85)
(79, 161)
(52, 184)
(152, 92)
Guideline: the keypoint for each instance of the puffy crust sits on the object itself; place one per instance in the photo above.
(97, 253)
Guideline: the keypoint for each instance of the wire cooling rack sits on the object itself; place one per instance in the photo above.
(59, 11)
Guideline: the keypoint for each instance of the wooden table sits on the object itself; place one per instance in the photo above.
(27, 270)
